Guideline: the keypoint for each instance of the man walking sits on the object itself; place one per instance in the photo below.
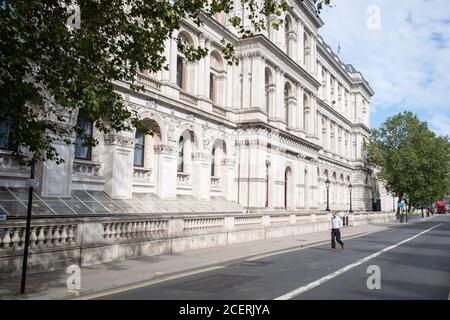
(336, 224)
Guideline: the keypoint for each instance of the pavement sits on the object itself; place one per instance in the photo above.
(270, 269)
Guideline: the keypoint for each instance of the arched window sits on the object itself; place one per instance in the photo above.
(324, 85)
(287, 95)
(180, 72)
(139, 149)
(217, 76)
(267, 183)
(306, 189)
(306, 50)
(180, 162)
(269, 92)
(5, 134)
(81, 150)
(185, 70)
(287, 187)
(288, 38)
(306, 109)
(213, 156)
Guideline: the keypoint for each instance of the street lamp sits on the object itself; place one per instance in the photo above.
(350, 187)
(327, 183)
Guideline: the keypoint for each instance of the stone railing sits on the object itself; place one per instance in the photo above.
(215, 182)
(248, 222)
(183, 178)
(149, 82)
(203, 225)
(132, 230)
(9, 163)
(279, 220)
(12, 238)
(59, 242)
(86, 168)
(188, 97)
(142, 173)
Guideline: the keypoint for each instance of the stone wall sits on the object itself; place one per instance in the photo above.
(59, 242)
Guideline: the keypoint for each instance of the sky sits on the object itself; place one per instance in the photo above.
(402, 47)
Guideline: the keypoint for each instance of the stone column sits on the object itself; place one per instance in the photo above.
(257, 82)
(167, 171)
(237, 88)
(272, 100)
(201, 70)
(300, 48)
(229, 86)
(246, 82)
(173, 58)
(300, 108)
(291, 104)
(201, 175)
(56, 179)
(279, 104)
(165, 74)
(207, 69)
(119, 148)
(228, 188)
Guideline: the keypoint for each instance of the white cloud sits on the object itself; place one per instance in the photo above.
(406, 61)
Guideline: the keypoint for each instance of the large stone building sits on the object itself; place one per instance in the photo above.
(265, 134)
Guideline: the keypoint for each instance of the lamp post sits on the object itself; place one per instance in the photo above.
(350, 187)
(327, 183)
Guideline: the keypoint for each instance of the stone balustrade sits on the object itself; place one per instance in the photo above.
(129, 230)
(149, 82)
(142, 173)
(248, 222)
(188, 97)
(183, 178)
(279, 220)
(12, 238)
(86, 168)
(8, 163)
(58, 242)
(203, 225)
(215, 182)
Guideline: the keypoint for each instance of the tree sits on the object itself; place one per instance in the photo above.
(55, 64)
(413, 163)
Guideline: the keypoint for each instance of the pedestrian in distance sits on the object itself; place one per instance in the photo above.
(336, 225)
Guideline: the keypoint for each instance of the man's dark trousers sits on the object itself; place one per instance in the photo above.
(336, 234)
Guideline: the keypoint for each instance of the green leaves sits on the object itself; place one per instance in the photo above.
(49, 70)
(413, 162)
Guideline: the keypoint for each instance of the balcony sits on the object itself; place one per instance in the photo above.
(86, 168)
(148, 82)
(183, 178)
(142, 174)
(188, 97)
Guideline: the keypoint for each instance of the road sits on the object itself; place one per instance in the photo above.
(413, 260)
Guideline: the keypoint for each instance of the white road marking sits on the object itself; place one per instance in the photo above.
(314, 244)
(324, 279)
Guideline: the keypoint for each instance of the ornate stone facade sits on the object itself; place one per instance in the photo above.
(266, 133)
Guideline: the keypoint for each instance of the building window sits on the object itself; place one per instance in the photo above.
(5, 134)
(211, 87)
(82, 151)
(180, 163)
(180, 72)
(139, 149)
(213, 159)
